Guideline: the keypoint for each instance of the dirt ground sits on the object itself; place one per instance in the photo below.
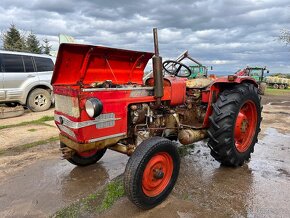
(35, 182)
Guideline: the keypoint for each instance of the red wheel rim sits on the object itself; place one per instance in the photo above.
(157, 174)
(245, 126)
(89, 153)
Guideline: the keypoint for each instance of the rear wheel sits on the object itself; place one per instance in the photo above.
(275, 86)
(281, 86)
(85, 158)
(235, 124)
(39, 100)
(151, 172)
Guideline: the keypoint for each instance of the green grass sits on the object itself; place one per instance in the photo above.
(32, 130)
(186, 150)
(271, 91)
(94, 203)
(24, 147)
(40, 121)
(114, 191)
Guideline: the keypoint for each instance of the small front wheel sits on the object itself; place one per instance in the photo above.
(151, 172)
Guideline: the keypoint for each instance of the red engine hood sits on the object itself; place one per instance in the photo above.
(85, 64)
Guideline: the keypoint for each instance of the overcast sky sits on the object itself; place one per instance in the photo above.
(227, 34)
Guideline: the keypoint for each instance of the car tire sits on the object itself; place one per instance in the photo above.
(39, 100)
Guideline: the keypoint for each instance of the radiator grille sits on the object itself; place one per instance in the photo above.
(67, 105)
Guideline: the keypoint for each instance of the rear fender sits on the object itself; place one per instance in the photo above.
(211, 94)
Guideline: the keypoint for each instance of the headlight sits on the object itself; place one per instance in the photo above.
(94, 107)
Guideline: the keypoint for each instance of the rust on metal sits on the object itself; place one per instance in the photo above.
(189, 136)
(124, 149)
(89, 146)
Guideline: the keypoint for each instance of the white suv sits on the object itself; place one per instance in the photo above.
(25, 79)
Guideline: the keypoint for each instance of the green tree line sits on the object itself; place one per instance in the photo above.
(14, 40)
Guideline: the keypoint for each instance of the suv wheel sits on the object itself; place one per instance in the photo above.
(39, 100)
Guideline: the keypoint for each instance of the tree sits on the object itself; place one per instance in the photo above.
(32, 44)
(13, 40)
(46, 47)
(285, 36)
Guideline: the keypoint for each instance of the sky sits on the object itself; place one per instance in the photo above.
(228, 35)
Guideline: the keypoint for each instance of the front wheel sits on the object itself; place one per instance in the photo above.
(235, 124)
(85, 158)
(151, 172)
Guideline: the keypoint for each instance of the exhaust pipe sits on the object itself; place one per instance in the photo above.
(157, 71)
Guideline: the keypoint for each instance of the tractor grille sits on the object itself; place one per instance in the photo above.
(67, 105)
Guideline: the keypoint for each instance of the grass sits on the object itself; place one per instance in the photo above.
(24, 147)
(95, 203)
(114, 191)
(271, 91)
(186, 150)
(40, 121)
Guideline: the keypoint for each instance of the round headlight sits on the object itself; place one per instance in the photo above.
(94, 107)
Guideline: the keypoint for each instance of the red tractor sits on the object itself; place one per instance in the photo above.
(102, 103)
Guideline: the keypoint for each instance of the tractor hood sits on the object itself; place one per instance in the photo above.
(84, 64)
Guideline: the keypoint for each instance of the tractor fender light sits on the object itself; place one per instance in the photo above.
(94, 107)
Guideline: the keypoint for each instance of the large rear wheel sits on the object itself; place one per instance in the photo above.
(151, 172)
(235, 124)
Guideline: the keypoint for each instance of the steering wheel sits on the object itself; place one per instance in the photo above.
(176, 68)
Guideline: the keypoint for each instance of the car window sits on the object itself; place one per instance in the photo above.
(28, 63)
(43, 64)
(12, 63)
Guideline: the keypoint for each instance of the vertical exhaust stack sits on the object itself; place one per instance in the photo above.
(157, 71)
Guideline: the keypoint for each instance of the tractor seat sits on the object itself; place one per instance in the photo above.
(198, 83)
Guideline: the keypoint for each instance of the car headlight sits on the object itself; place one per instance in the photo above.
(94, 107)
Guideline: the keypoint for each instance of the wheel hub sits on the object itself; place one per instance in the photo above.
(158, 173)
(40, 100)
(245, 126)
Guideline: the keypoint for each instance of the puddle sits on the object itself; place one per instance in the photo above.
(204, 188)
(260, 188)
(48, 185)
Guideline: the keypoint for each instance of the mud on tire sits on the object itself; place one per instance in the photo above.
(235, 124)
(143, 188)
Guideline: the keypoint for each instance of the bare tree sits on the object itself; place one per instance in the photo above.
(285, 36)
